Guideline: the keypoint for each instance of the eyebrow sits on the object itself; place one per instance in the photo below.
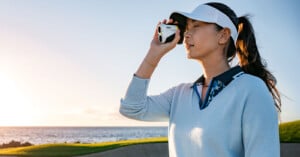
(195, 21)
(192, 22)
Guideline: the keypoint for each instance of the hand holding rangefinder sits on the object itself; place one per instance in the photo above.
(166, 32)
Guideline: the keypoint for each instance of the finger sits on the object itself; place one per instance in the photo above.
(177, 37)
(155, 36)
(170, 21)
(164, 21)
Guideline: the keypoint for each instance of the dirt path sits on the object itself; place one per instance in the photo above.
(161, 150)
(140, 150)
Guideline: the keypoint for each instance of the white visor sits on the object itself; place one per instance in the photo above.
(206, 13)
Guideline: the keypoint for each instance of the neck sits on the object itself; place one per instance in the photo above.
(213, 68)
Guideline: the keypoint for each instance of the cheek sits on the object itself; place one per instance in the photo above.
(207, 38)
(206, 41)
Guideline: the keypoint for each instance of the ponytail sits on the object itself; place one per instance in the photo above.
(250, 59)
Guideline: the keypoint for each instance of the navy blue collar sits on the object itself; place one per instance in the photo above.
(225, 77)
(216, 85)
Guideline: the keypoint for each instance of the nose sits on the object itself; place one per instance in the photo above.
(187, 34)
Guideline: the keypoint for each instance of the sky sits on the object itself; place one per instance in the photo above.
(69, 62)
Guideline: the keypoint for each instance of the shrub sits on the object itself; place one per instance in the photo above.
(15, 144)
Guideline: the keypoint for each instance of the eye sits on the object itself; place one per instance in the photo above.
(196, 25)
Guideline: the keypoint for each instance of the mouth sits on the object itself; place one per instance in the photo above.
(188, 46)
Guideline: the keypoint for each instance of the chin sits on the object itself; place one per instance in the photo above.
(188, 56)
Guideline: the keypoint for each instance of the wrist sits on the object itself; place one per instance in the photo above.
(152, 60)
(152, 57)
(150, 63)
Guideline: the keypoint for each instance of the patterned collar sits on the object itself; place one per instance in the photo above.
(216, 85)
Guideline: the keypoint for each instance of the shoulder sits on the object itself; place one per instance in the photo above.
(252, 88)
(259, 105)
(251, 83)
(248, 78)
(255, 90)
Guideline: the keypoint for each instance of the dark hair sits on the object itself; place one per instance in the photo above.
(247, 50)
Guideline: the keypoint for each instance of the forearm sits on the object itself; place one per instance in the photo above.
(148, 66)
(137, 105)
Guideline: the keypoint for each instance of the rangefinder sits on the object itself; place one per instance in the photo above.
(166, 32)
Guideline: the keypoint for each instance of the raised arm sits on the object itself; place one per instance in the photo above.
(137, 104)
(156, 52)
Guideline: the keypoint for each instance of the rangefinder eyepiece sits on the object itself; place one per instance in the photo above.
(166, 33)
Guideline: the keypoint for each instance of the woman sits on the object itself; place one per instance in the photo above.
(227, 112)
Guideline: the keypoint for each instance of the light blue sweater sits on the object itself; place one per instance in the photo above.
(241, 121)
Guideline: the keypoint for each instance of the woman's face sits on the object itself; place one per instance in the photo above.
(200, 39)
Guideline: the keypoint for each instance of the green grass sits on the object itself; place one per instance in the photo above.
(290, 132)
(69, 150)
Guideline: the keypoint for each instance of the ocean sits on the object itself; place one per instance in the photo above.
(42, 135)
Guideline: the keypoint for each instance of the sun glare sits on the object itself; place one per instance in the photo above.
(15, 108)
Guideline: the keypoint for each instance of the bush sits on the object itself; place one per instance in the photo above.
(15, 144)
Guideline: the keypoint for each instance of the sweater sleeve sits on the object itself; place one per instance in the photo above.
(260, 124)
(137, 105)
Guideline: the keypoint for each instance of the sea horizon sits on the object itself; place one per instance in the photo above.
(118, 126)
(81, 134)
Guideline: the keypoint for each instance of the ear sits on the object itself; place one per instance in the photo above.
(224, 36)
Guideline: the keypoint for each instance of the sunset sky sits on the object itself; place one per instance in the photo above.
(69, 62)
